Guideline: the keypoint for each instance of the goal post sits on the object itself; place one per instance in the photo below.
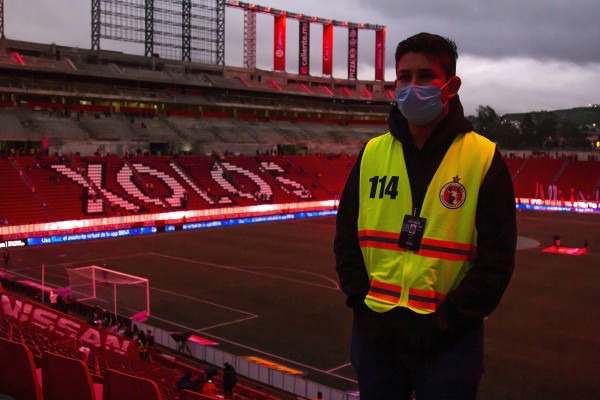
(127, 295)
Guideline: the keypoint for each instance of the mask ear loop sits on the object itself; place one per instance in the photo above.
(453, 83)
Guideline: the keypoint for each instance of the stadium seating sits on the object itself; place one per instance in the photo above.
(536, 170)
(67, 378)
(62, 355)
(18, 377)
(61, 195)
(123, 386)
(24, 206)
(240, 393)
(583, 176)
(46, 189)
(12, 128)
(513, 165)
(65, 374)
(189, 395)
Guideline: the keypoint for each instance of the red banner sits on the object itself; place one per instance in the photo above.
(380, 55)
(327, 49)
(304, 48)
(352, 52)
(26, 311)
(279, 43)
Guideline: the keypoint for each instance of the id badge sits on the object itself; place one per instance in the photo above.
(411, 233)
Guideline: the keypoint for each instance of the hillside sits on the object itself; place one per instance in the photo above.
(579, 115)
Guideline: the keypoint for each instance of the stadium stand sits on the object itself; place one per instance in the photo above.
(13, 124)
(66, 377)
(583, 176)
(45, 189)
(542, 170)
(189, 395)
(18, 377)
(122, 386)
(513, 165)
(68, 368)
(22, 206)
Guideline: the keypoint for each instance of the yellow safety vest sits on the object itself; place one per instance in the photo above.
(419, 280)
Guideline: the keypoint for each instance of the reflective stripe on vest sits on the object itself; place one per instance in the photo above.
(422, 299)
(429, 247)
(419, 280)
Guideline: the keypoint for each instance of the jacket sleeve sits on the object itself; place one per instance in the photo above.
(349, 261)
(483, 286)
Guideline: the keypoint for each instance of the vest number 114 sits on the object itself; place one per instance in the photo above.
(385, 188)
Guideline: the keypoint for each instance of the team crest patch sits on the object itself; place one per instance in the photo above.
(453, 194)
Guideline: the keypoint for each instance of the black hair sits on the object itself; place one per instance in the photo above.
(441, 48)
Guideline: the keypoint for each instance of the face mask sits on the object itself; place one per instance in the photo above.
(420, 104)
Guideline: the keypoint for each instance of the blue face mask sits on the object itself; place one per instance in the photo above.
(420, 104)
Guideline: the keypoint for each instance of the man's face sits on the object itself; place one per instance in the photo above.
(416, 69)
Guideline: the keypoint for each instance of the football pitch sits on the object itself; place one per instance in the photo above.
(270, 290)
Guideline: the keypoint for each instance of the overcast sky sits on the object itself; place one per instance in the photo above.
(514, 55)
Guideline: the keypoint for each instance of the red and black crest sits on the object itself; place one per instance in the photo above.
(453, 194)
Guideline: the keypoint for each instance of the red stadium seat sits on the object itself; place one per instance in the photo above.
(189, 395)
(67, 378)
(122, 386)
(17, 372)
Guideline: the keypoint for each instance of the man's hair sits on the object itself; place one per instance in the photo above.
(435, 46)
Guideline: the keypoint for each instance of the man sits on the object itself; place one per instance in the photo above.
(229, 379)
(149, 346)
(6, 257)
(425, 238)
(53, 299)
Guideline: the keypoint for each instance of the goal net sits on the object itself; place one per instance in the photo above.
(126, 295)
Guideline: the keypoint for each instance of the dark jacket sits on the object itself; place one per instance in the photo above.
(229, 377)
(482, 288)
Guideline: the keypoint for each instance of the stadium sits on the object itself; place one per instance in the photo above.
(197, 200)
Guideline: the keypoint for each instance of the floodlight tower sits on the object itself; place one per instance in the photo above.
(186, 42)
(149, 28)
(2, 19)
(220, 32)
(95, 24)
(249, 39)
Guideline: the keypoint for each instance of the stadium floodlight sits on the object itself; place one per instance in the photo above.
(127, 295)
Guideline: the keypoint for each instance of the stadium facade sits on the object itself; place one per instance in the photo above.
(64, 98)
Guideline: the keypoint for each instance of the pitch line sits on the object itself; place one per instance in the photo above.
(338, 368)
(247, 269)
(250, 315)
(253, 349)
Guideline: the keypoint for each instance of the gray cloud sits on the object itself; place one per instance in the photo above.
(547, 29)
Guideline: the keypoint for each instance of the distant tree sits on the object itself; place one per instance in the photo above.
(528, 131)
(509, 136)
(537, 130)
(489, 124)
(486, 122)
(571, 135)
(546, 129)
